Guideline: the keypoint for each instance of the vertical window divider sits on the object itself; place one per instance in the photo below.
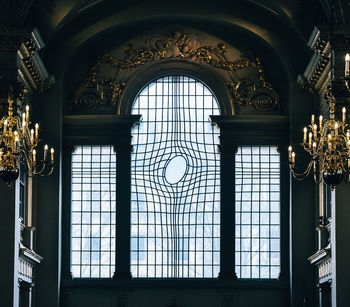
(227, 149)
(66, 212)
(284, 214)
(123, 150)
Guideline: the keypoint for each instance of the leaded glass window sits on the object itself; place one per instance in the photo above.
(257, 189)
(93, 211)
(175, 189)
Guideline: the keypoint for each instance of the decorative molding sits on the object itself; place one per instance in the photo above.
(177, 46)
(32, 71)
(246, 92)
(325, 270)
(26, 43)
(323, 261)
(88, 97)
(26, 263)
(316, 76)
(25, 269)
(109, 75)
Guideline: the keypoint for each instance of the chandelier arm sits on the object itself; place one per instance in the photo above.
(318, 178)
(303, 175)
(49, 173)
(27, 162)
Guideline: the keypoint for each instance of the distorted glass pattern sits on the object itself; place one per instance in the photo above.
(93, 211)
(175, 199)
(257, 187)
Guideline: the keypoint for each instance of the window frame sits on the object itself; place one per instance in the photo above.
(266, 130)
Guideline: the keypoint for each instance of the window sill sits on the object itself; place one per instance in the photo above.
(193, 283)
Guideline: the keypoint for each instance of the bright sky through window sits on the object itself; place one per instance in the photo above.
(175, 199)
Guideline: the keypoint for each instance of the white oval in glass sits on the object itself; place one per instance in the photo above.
(175, 169)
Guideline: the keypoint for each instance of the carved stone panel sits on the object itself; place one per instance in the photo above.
(107, 79)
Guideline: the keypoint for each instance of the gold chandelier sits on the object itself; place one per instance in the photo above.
(18, 145)
(328, 144)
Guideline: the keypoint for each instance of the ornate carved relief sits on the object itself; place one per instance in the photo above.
(177, 45)
(25, 269)
(325, 270)
(246, 92)
(109, 75)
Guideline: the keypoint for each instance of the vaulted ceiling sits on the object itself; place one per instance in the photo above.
(68, 17)
(75, 24)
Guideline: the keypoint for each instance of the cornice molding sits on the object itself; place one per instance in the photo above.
(26, 43)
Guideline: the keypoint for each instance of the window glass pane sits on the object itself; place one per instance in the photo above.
(175, 209)
(93, 211)
(257, 185)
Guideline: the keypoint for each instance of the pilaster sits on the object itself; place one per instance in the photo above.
(9, 228)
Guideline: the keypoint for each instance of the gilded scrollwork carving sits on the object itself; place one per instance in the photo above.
(178, 45)
(262, 96)
(243, 74)
(91, 94)
(242, 91)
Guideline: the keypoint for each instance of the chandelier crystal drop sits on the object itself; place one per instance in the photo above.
(18, 145)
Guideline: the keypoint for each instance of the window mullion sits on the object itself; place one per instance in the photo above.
(228, 224)
(123, 199)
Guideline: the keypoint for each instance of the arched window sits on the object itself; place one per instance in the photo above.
(175, 181)
(185, 198)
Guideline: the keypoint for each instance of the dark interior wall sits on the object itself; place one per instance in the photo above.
(177, 297)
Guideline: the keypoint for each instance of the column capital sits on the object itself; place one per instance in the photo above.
(227, 147)
(122, 148)
(111, 128)
(325, 286)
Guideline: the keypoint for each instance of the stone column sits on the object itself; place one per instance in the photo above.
(66, 212)
(324, 294)
(284, 215)
(9, 229)
(227, 150)
(301, 209)
(26, 294)
(340, 238)
(123, 198)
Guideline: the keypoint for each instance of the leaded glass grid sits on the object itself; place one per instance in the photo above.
(93, 213)
(175, 190)
(257, 186)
